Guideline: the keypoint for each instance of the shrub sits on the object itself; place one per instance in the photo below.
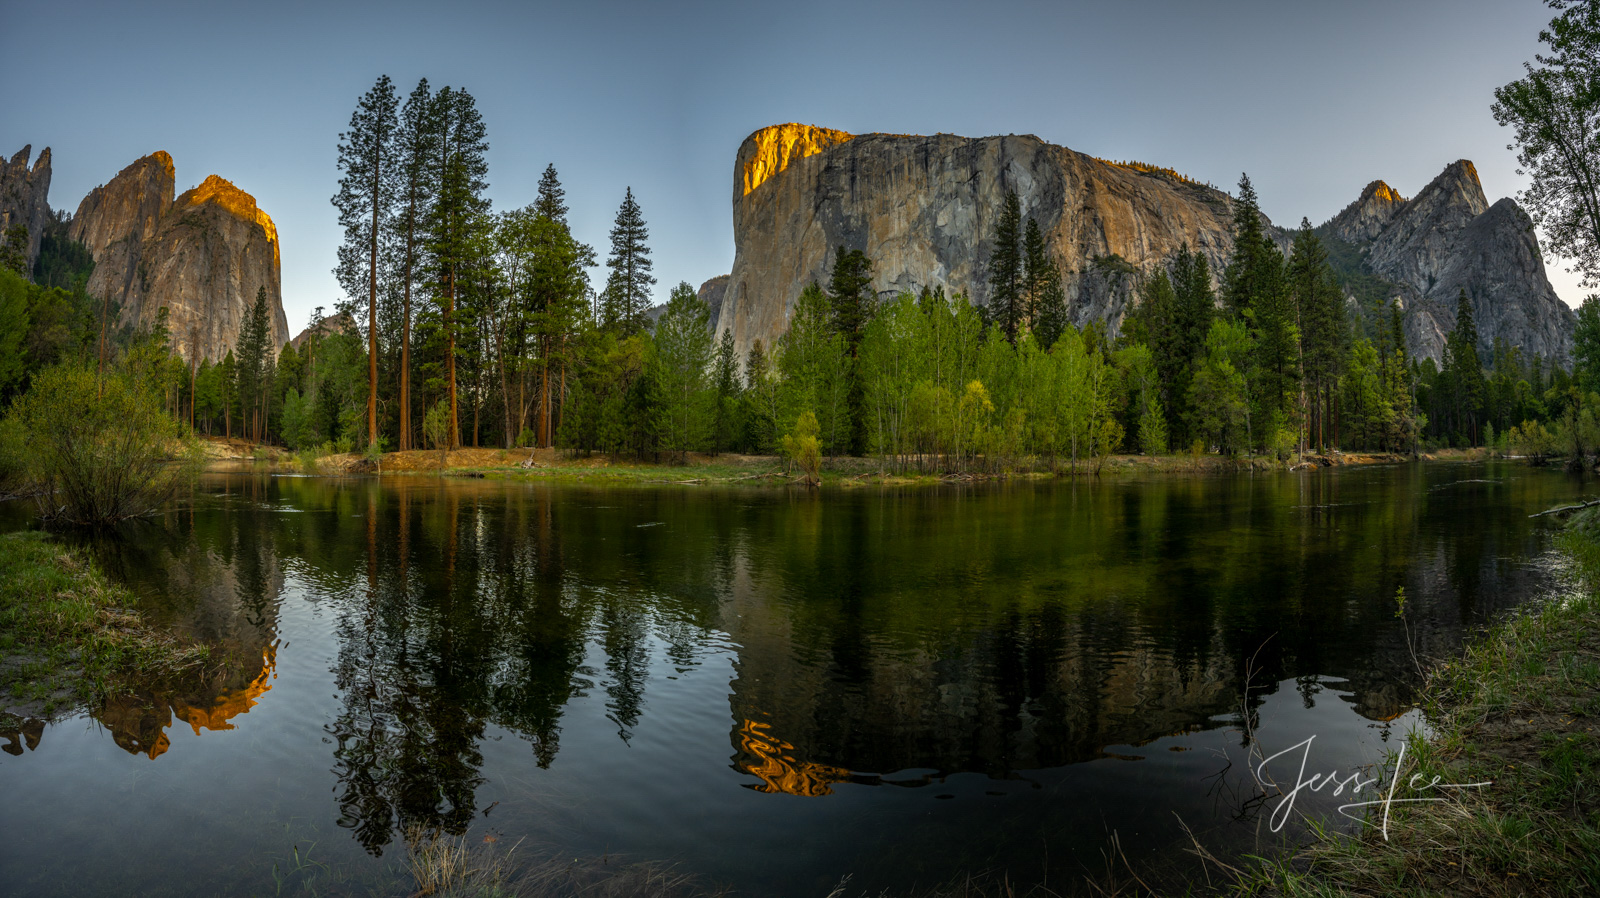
(97, 450)
(804, 448)
(436, 430)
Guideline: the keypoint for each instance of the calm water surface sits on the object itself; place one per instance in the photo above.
(770, 689)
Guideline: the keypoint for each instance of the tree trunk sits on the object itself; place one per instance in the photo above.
(372, 303)
(450, 355)
(405, 329)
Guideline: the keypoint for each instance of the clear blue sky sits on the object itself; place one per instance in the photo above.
(1313, 99)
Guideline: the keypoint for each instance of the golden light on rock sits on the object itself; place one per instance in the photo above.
(776, 767)
(221, 192)
(770, 150)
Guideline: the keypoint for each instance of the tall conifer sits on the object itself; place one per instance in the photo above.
(552, 199)
(1005, 269)
(1036, 272)
(627, 293)
(460, 201)
(1247, 270)
(365, 201)
(416, 157)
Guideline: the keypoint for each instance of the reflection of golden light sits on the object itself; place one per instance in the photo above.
(230, 704)
(778, 770)
(139, 727)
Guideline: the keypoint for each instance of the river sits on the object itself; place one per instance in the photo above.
(769, 689)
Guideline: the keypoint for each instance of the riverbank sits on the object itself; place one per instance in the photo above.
(69, 637)
(1520, 711)
(728, 468)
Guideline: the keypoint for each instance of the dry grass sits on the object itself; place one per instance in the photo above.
(450, 867)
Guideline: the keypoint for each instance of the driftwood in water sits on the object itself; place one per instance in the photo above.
(1565, 508)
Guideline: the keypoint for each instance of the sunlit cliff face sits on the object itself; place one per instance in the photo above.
(769, 151)
(221, 192)
(1386, 193)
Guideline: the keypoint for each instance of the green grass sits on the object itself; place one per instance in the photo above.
(68, 636)
(1520, 708)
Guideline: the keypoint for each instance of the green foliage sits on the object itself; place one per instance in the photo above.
(802, 446)
(815, 366)
(680, 364)
(1006, 301)
(14, 329)
(627, 293)
(851, 295)
(1586, 344)
(63, 263)
(14, 250)
(97, 449)
(437, 429)
(1554, 112)
(1219, 394)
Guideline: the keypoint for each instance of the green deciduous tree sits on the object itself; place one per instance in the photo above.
(681, 364)
(815, 365)
(1554, 112)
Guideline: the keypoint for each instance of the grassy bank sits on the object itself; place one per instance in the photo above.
(68, 636)
(754, 470)
(1520, 710)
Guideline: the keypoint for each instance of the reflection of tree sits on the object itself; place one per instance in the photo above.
(412, 675)
(623, 633)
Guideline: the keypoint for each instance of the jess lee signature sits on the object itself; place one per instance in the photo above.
(1417, 785)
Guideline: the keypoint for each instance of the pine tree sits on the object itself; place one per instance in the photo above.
(1036, 274)
(551, 202)
(1179, 350)
(558, 284)
(627, 293)
(14, 249)
(416, 157)
(1247, 271)
(365, 202)
(854, 302)
(255, 339)
(725, 381)
(850, 291)
(1005, 269)
(1464, 369)
(1320, 302)
(461, 172)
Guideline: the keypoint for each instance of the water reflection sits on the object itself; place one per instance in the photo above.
(873, 637)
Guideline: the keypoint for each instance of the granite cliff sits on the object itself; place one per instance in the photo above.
(202, 255)
(1447, 239)
(924, 208)
(25, 197)
(116, 219)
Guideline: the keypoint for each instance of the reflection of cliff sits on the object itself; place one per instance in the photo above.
(1032, 689)
(771, 760)
(215, 579)
(138, 722)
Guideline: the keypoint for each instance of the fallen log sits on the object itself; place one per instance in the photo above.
(1565, 508)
